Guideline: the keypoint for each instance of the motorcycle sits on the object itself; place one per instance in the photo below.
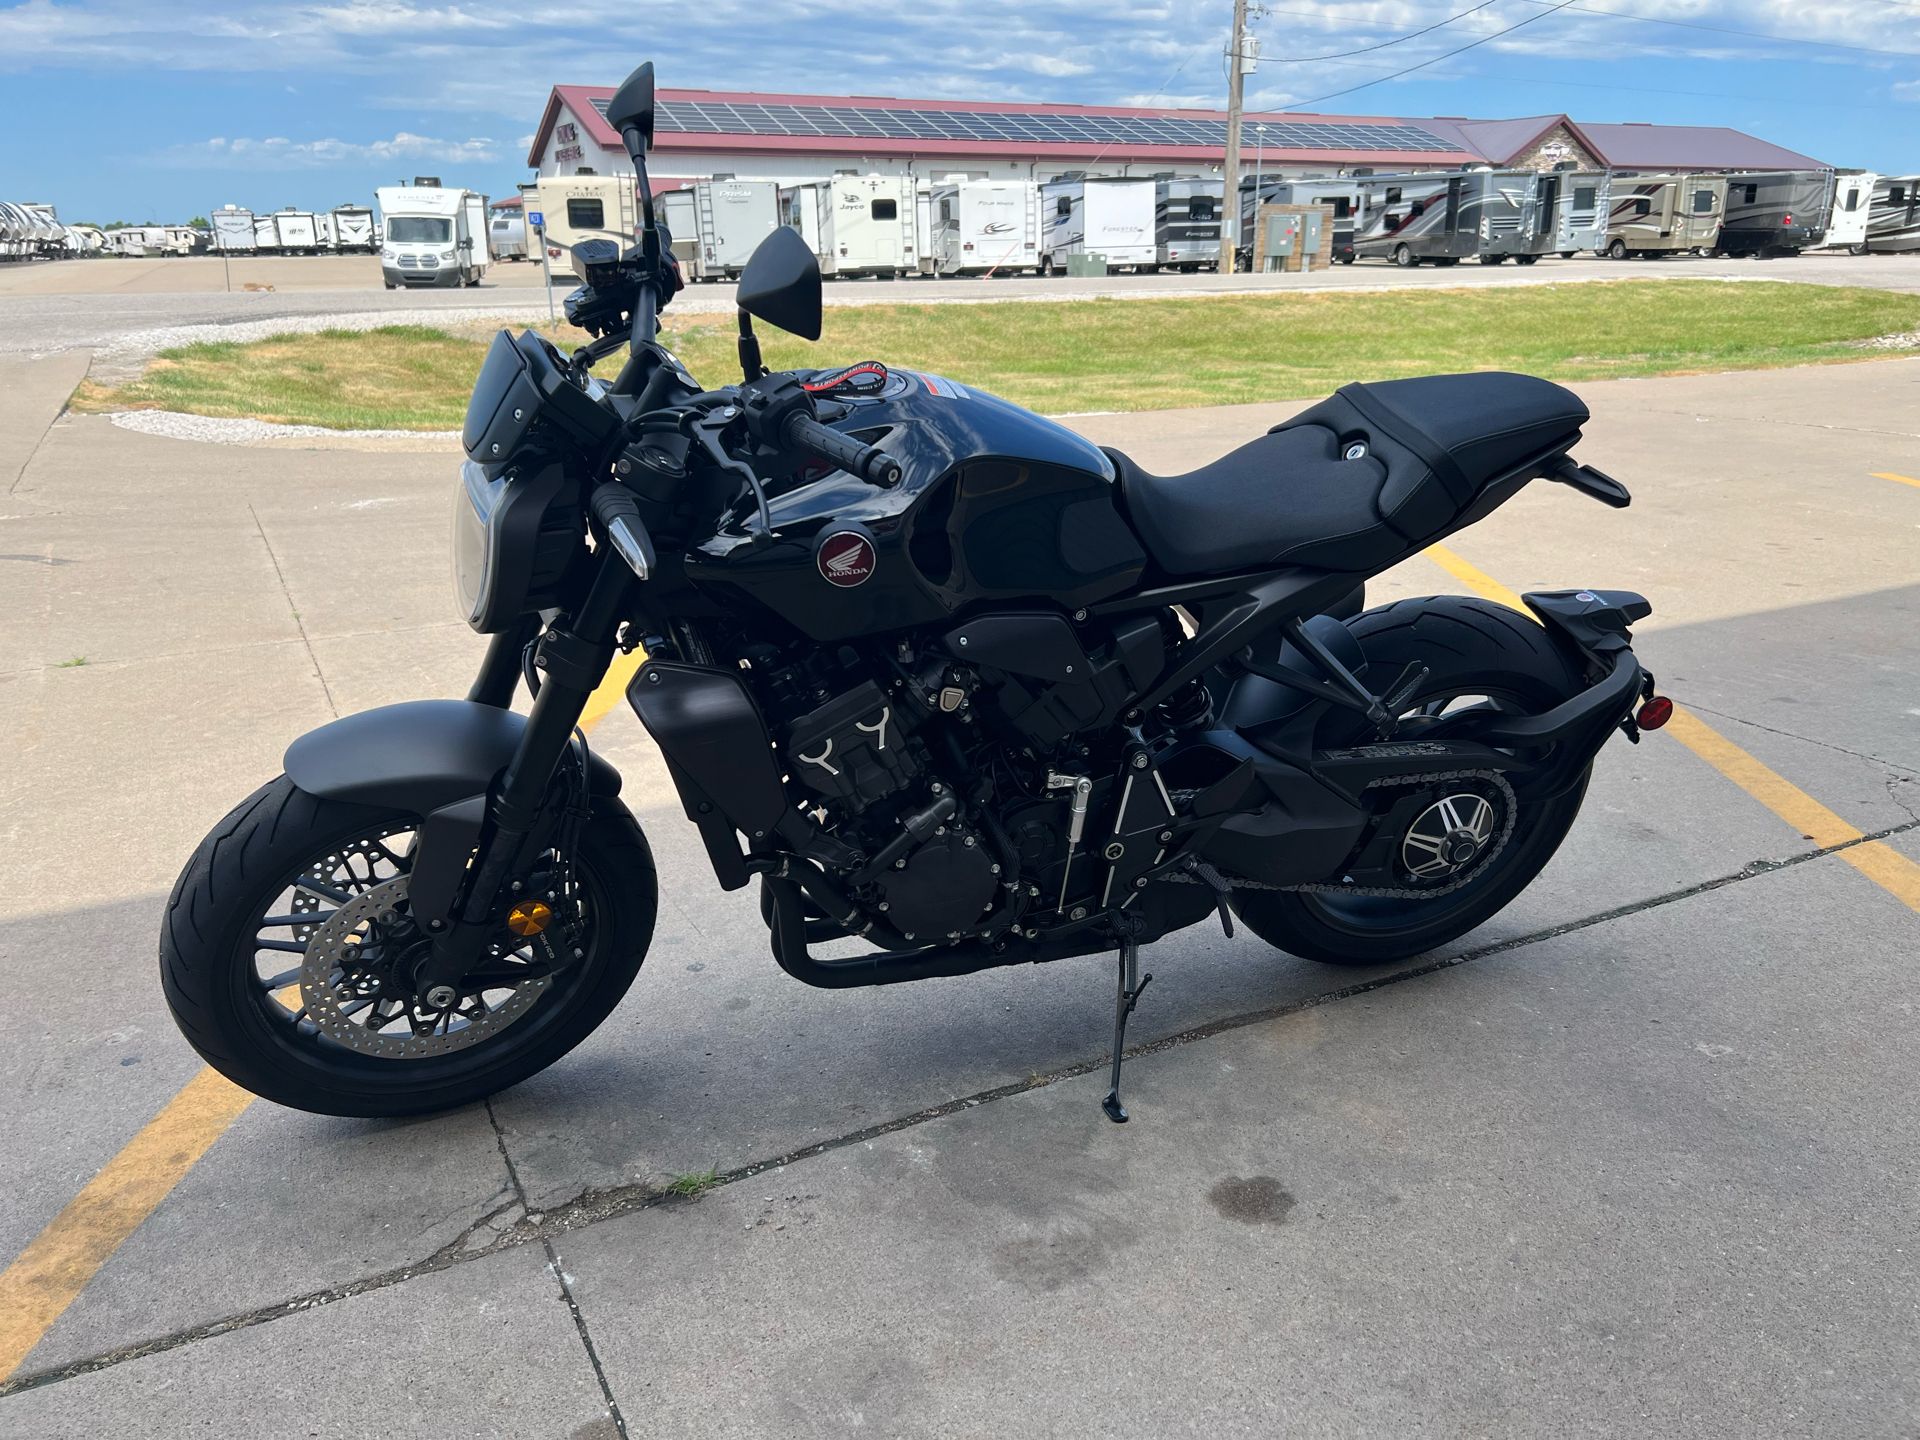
(948, 680)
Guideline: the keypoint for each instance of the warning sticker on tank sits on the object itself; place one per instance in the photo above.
(947, 389)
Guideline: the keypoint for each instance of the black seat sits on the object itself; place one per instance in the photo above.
(1356, 481)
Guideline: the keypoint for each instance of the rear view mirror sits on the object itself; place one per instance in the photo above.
(631, 110)
(781, 285)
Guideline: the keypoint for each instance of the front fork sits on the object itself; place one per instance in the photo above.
(571, 656)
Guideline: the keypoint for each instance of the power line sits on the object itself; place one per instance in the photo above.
(1396, 40)
(1458, 50)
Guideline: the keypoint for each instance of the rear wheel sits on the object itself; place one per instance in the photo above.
(1617, 250)
(1478, 653)
(287, 958)
(1404, 257)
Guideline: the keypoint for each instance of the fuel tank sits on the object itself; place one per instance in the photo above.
(996, 505)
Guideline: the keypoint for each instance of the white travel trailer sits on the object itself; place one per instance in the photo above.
(674, 209)
(14, 229)
(233, 232)
(980, 227)
(573, 208)
(1109, 217)
(266, 236)
(352, 227)
(856, 224)
(507, 232)
(296, 232)
(1893, 227)
(431, 234)
(1851, 208)
(730, 218)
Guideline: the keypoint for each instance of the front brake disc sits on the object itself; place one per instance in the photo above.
(351, 1005)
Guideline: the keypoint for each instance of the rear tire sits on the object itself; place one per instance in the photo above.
(1474, 647)
(1617, 250)
(208, 961)
(1404, 257)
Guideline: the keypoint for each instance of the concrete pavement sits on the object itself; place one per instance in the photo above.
(1502, 1195)
(54, 306)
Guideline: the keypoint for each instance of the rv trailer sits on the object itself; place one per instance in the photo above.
(573, 208)
(1113, 218)
(295, 232)
(1515, 214)
(1663, 214)
(1849, 210)
(982, 227)
(1342, 196)
(1576, 202)
(856, 224)
(1406, 219)
(353, 228)
(1186, 223)
(233, 231)
(14, 230)
(674, 209)
(266, 236)
(431, 235)
(731, 217)
(1893, 225)
(507, 231)
(1775, 212)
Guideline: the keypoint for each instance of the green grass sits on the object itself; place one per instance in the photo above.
(697, 1183)
(74, 664)
(1107, 354)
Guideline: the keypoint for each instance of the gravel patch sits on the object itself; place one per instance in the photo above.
(219, 430)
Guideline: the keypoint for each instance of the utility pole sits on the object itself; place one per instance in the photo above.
(1236, 84)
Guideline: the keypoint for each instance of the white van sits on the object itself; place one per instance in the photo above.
(431, 235)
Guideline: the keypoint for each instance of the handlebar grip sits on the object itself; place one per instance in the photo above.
(866, 461)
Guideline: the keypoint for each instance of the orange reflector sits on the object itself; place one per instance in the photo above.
(529, 918)
(1655, 713)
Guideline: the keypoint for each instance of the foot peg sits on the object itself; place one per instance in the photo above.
(1222, 892)
(1131, 988)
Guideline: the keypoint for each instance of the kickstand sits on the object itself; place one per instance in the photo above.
(1131, 987)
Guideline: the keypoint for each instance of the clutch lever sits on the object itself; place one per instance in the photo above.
(709, 428)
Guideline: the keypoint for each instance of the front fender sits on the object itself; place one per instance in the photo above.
(418, 756)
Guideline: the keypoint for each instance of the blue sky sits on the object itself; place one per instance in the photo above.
(138, 109)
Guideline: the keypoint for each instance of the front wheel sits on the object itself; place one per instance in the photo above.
(1404, 257)
(1478, 653)
(287, 957)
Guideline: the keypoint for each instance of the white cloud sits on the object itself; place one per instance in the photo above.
(279, 150)
(1907, 90)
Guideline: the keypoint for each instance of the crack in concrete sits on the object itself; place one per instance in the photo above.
(562, 1279)
(294, 610)
(595, 1206)
(1804, 739)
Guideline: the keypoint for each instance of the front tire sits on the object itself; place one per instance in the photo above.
(1474, 648)
(255, 1029)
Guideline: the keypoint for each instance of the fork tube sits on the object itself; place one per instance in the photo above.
(499, 673)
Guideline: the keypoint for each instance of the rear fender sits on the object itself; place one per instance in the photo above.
(1595, 623)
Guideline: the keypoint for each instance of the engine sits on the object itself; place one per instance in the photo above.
(946, 765)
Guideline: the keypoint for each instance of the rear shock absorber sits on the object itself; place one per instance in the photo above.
(1188, 708)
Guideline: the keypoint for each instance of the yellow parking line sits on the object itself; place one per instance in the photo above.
(1899, 479)
(52, 1271)
(1880, 863)
(48, 1276)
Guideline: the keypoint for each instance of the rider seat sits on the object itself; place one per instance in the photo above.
(1356, 481)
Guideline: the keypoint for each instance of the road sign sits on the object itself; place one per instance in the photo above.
(537, 219)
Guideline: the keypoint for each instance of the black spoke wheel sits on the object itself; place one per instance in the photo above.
(1473, 860)
(289, 958)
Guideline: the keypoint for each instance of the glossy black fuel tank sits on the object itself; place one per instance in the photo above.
(997, 505)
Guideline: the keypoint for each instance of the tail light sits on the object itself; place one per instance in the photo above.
(1785, 221)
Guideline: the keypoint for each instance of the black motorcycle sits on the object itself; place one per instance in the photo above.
(948, 680)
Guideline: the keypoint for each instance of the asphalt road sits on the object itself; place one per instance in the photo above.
(1638, 1157)
(47, 307)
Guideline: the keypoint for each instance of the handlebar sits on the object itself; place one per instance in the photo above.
(868, 462)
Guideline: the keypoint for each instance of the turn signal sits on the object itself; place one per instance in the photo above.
(529, 918)
(1655, 713)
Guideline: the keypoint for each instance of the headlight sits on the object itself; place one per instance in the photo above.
(474, 504)
(446, 255)
(386, 255)
(517, 531)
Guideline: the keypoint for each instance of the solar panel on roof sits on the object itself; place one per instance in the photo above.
(1017, 127)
